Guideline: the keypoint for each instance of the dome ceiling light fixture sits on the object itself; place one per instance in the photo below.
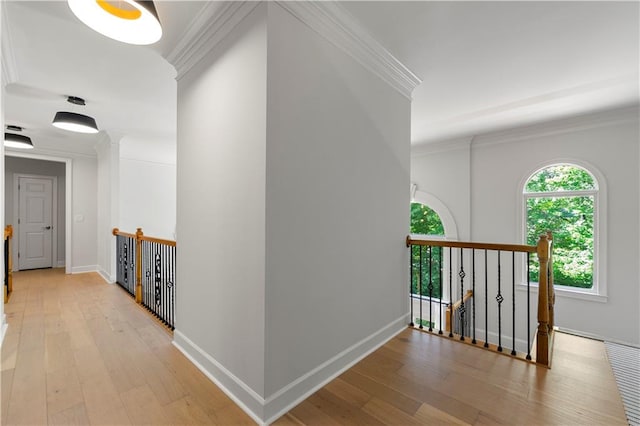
(14, 140)
(128, 21)
(75, 122)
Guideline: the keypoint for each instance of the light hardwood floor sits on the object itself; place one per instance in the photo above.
(79, 351)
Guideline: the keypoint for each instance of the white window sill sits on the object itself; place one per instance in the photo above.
(569, 293)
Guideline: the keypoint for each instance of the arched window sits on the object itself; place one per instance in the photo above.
(425, 221)
(563, 198)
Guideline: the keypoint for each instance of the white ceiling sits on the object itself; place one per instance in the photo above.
(485, 66)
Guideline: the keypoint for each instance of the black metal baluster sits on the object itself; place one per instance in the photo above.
(440, 287)
(499, 299)
(486, 301)
(165, 289)
(175, 289)
(473, 301)
(528, 310)
(420, 288)
(513, 302)
(462, 308)
(430, 287)
(450, 293)
(411, 275)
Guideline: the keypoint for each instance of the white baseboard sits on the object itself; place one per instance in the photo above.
(596, 337)
(83, 269)
(3, 328)
(250, 402)
(61, 264)
(300, 389)
(105, 276)
(265, 411)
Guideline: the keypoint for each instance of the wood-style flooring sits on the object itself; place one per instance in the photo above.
(80, 351)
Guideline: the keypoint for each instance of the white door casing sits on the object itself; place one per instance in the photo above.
(35, 222)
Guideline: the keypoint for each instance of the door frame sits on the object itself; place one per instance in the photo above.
(68, 245)
(54, 216)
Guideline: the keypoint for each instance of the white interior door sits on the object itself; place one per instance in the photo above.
(35, 222)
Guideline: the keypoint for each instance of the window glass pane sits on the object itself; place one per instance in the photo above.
(425, 221)
(561, 177)
(571, 221)
(429, 284)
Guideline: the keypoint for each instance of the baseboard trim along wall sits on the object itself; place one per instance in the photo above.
(250, 402)
(83, 269)
(297, 391)
(105, 276)
(265, 411)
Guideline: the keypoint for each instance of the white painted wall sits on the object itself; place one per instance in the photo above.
(293, 206)
(107, 199)
(84, 219)
(443, 171)
(3, 319)
(35, 167)
(147, 186)
(221, 210)
(337, 210)
(501, 161)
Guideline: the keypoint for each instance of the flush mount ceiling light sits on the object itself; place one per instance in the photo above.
(13, 140)
(73, 121)
(128, 21)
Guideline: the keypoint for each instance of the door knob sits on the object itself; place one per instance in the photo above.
(47, 227)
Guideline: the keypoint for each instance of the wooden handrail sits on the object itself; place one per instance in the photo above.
(546, 293)
(139, 237)
(471, 245)
(452, 308)
(8, 289)
(8, 231)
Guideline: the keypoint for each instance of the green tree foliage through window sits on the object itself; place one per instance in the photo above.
(561, 199)
(425, 221)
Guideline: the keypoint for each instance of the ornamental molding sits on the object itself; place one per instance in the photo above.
(9, 67)
(214, 22)
(329, 19)
(334, 23)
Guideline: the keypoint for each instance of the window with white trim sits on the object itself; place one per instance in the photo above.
(563, 198)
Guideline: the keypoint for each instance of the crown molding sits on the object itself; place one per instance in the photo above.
(610, 117)
(212, 24)
(333, 22)
(456, 144)
(327, 18)
(9, 68)
(46, 154)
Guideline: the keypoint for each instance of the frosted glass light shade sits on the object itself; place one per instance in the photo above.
(12, 140)
(75, 122)
(128, 21)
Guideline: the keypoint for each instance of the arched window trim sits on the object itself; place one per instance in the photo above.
(448, 223)
(431, 201)
(598, 292)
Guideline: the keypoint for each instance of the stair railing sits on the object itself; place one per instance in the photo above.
(8, 263)
(146, 269)
(483, 276)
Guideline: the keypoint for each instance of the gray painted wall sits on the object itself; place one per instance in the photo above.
(36, 167)
(293, 207)
(499, 163)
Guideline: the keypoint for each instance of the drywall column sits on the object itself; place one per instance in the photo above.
(221, 211)
(338, 142)
(108, 201)
(293, 202)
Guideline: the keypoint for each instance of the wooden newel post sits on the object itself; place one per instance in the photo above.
(139, 235)
(550, 282)
(8, 235)
(542, 337)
